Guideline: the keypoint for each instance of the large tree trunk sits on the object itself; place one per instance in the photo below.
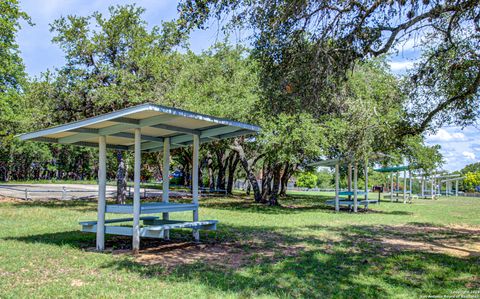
(121, 179)
(232, 167)
(211, 178)
(284, 182)
(248, 170)
(287, 174)
(222, 157)
(247, 190)
(276, 173)
(266, 181)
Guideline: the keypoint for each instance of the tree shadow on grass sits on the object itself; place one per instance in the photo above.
(315, 261)
(289, 207)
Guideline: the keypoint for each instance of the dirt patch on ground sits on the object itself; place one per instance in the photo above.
(458, 251)
(459, 241)
(10, 199)
(222, 255)
(228, 255)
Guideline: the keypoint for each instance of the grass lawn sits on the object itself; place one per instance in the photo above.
(302, 249)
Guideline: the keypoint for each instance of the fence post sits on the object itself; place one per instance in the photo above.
(26, 194)
(64, 193)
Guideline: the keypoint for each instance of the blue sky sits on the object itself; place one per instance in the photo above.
(459, 147)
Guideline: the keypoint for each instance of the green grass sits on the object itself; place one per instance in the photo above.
(302, 249)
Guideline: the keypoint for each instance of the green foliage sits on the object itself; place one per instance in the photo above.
(307, 48)
(290, 138)
(221, 81)
(474, 167)
(115, 61)
(421, 156)
(112, 62)
(369, 111)
(307, 180)
(471, 181)
(325, 179)
(12, 73)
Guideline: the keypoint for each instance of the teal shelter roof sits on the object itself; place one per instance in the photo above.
(393, 168)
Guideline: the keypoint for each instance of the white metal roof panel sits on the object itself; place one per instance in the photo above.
(156, 122)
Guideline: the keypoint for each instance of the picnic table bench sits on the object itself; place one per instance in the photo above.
(153, 227)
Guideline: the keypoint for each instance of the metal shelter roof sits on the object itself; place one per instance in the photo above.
(157, 122)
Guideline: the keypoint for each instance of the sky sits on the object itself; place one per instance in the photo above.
(459, 147)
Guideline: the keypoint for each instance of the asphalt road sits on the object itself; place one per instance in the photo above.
(73, 191)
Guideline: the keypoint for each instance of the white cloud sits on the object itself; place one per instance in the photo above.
(445, 136)
(469, 155)
(398, 66)
(459, 146)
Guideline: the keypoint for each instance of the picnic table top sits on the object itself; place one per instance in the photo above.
(346, 193)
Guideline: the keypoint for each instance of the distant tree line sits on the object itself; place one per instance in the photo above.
(115, 61)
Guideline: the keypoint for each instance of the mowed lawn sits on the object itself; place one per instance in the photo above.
(302, 249)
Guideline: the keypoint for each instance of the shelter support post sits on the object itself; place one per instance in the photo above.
(349, 180)
(410, 184)
(431, 188)
(397, 187)
(355, 187)
(366, 183)
(166, 179)
(404, 186)
(337, 187)
(439, 187)
(102, 187)
(136, 192)
(456, 188)
(391, 187)
(196, 145)
(423, 187)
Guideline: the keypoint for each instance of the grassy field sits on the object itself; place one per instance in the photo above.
(302, 249)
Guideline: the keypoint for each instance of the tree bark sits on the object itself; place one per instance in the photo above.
(232, 167)
(222, 158)
(248, 170)
(211, 178)
(276, 174)
(284, 179)
(267, 176)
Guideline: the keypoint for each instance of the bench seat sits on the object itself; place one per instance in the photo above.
(94, 222)
(156, 229)
(350, 202)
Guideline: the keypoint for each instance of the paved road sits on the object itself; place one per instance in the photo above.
(73, 191)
